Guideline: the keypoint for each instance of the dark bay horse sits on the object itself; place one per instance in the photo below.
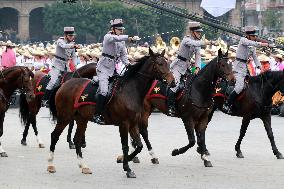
(123, 110)
(27, 118)
(13, 78)
(255, 102)
(193, 107)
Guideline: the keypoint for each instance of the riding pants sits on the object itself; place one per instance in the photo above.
(178, 68)
(240, 71)
(55, 75)
(103, 82)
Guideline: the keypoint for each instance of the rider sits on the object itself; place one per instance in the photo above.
(246, 48)
(112, 44)
(190, 45)
(65, 50)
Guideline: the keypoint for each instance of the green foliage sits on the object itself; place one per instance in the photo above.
(272, 20)
(93, 19)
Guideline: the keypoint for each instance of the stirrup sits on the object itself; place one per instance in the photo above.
(227, 108)
(99, 119)
(45, 103)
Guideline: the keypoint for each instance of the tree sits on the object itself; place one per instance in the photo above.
(272, 20)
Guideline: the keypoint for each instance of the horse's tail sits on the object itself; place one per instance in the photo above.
(24, 111)
(52, 106)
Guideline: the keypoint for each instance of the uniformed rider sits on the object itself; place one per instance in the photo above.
(65, 50)
(113, 43)
(246, 49)
(190, 45)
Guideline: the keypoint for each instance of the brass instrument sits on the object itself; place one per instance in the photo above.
(175, 43)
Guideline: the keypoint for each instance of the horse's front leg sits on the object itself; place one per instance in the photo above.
(123, 130)
(70, 128)
(244, 126)
(267, 125)
(2, 151)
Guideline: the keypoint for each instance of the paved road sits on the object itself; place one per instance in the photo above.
(25, 167)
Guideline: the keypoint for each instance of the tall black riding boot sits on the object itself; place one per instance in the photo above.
(227, 107)
(45, 98)
(171, 103)
(98, 118)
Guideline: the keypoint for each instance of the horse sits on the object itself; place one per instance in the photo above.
(193, 105)
(13, 78)
(120, 110)
(27, 118)
(255, 102)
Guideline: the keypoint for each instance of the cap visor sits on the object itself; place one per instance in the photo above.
(120, 28)
(198, 30)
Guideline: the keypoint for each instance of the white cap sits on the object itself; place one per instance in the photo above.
(117, 23)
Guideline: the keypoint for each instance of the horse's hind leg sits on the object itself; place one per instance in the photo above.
(54, 139)
(70, 128)
(38, 138)
(267, 124)
(189, 125)
(137, 140)
(80, 132)
(245, 123)
(26, 131)
(123, 131)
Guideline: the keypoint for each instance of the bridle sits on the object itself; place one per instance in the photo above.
(222, 73)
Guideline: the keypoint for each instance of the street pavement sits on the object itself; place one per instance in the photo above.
(25, 168)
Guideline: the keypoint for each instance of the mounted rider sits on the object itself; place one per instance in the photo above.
(190, 45)
(65, 50)
(246, 48)
(113, 49)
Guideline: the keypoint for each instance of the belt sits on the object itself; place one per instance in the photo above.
(181, 58)
(58, 57)
(241, 60)
(107, 55)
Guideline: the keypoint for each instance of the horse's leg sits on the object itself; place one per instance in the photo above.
(80, 132)
(245, 123)
(70, 128)
(144, 133)
(54, 138)
(267, 125)
(38, 138)
(137, 140)
(2, 151)
(209, 119)
(200, 134)
(123, 131)
(26, 131)
(189, 125)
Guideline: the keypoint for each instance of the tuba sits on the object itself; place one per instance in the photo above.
(175, 43)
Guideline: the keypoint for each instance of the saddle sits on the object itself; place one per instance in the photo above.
(89, 91)
(159, 89)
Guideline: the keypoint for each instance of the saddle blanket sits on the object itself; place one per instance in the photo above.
(87, 94)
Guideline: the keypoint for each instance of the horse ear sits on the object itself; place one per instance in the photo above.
(220, 53)
(227, 53)
(163, 53)
(151, 53)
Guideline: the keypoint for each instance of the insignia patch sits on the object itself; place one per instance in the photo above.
(83, 97)
(157, 89)
(39, 87)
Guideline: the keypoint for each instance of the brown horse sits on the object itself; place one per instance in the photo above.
(13, 78)
(123, 110)
(193, 106)
(255, 102)
(27, 118)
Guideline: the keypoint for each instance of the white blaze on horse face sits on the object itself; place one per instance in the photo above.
(1, 148)
(152, 154)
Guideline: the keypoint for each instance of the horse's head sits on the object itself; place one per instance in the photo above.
(224, 69)
(161, 67)
(25, 83)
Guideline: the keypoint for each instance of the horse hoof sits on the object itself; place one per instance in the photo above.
(41, 146)
(23, 142)
(155, 161)
(3, 154)
(84, 145)
(206, 151)
(86, 171)
(208, 164)
(175, 152)
(51, 169)
(136, 160)
(119, 159)
(130, 174)
(239, 155)
(71, 146)
(279, 156)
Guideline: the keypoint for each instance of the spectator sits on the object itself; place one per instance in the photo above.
(8, 55)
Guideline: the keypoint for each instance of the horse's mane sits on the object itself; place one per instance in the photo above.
(267, 74)
(132, 70)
